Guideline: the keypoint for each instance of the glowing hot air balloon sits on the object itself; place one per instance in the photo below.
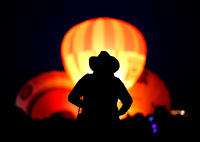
(148, 92)
(119, 38)
(53, 102)
(45, 94)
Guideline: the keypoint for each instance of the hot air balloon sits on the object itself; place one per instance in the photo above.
(52, 88)
(117, 37)
(148, 92)
(54, 102)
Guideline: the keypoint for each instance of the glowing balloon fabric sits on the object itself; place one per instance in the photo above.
(119, 38)
(148, 92)
(52, 102)
(40, 85)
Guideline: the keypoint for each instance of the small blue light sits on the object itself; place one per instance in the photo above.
(151, 118)
(154, 131)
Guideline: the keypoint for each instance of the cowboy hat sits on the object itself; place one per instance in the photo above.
(104, 61)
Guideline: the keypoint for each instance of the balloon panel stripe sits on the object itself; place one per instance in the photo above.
(72, 50)
(128, 39)
(108, 34)
(71, 46)
(88, 37)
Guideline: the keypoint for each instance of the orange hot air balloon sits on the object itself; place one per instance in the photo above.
(54, 102)
(119, 38)
(148, 92)
(42, 85)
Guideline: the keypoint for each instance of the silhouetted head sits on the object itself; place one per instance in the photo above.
(104, 63)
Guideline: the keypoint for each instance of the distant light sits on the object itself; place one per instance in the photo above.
(118, 101)
(154, 131)
(151, 118)
(177, 112)
(154, 128)
(154, 125)
(182, 112)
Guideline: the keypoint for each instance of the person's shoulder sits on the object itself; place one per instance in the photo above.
(84, 79)
(118, 81)
(116, 78)
(87, 76)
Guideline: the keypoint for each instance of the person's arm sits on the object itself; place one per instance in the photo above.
(75, 95)
(125, 98)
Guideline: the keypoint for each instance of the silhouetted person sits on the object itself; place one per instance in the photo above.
(101, 90)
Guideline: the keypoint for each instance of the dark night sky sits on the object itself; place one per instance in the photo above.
(34, 31)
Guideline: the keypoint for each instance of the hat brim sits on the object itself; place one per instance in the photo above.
(95, 63)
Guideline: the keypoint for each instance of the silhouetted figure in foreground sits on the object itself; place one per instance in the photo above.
(101, 91)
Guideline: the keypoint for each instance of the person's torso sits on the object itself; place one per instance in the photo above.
(100, 97)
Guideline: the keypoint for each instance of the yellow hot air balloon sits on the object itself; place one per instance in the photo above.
(117, 37)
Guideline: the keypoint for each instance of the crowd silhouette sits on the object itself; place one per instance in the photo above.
(160, 124)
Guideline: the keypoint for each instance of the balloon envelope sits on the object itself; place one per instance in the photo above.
(54, 102)
(148, 92)
(43, 85)
(117, 37)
